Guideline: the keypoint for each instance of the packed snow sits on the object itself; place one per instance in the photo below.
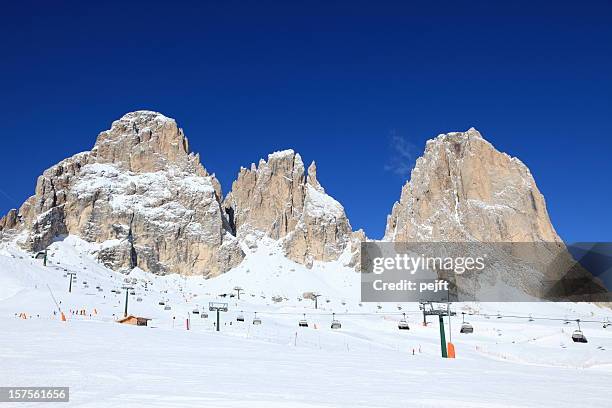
(507, 362)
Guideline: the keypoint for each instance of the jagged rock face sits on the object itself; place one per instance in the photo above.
(142, 194)
(9, 221)
(277, 198)
(463, 189)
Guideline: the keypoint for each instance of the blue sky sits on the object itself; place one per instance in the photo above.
(357, 86)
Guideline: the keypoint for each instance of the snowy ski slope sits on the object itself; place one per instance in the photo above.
(506, 362)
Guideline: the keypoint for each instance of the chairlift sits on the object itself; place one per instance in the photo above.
(578, 336)
(303, 322)
(240, 317)
(403, 324)
(466, 328)
(335, 324)
(256, 320)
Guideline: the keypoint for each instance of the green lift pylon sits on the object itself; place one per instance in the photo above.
(442, 337)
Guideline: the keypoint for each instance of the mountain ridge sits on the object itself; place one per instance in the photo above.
(143, 192)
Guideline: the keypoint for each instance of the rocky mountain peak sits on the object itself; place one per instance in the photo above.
(141, 195)
(312, 177)
(145, 141)
(463, 189)
(280, 200)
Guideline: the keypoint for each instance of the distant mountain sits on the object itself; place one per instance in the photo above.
(463, 189)
(140, 192)
(151, 204)
(149, 200)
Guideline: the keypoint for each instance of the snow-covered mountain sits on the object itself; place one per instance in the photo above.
(282, 201)
(462, 189)
(150, 203)
(140, 193)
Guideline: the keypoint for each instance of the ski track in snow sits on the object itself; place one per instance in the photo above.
(367, 363)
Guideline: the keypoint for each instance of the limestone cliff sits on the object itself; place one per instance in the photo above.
(463, 189)
(279, 199)
(141, 194)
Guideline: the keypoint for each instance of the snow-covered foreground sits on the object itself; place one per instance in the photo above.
(507, 362)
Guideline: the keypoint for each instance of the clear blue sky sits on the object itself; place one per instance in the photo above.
(357, 86)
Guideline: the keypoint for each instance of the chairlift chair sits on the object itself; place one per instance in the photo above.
(167, 307)
(240, 317)
(578, 336)
(195, 311)
(161, 303)
(403, 324)
(139, 299)
(256, 320)
(531, 318)
(335, 324)
(303, 322)
(204, 315)
(466, 328)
